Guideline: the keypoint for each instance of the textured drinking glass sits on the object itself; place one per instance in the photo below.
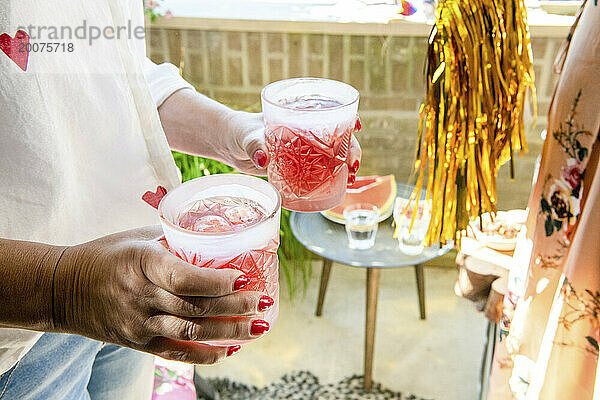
(252, 250)
(411, 239)
(361, 225)
(309, 124)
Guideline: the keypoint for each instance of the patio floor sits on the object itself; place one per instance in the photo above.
(437, 358)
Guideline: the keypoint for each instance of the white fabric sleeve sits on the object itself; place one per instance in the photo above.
(163, 80)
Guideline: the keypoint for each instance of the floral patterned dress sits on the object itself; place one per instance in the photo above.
(550, 329)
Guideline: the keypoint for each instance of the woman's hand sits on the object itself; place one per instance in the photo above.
(197, 125)
(128, 289)
(246, 149)
(249, 153)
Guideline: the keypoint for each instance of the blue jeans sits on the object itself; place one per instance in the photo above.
(72, 367)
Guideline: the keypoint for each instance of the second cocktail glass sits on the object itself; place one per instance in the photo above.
(309, 124)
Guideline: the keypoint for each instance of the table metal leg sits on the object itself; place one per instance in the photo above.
(324, 281)
(420, 274)
(489, 348)
(372, 292)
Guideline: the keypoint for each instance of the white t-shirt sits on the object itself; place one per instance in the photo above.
(80, 136)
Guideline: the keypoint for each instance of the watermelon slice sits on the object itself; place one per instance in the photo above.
(377, 190)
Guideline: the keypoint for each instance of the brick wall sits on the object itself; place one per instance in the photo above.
(233, 66)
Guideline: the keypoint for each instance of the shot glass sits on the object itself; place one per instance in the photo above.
(309, 125)
(411, 239)
(252, 250)
(361, 225)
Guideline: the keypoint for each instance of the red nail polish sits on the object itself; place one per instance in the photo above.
(260, 158)
(240, 282)
(259, 327)
(233, 349)
(265, 303)
(355, 166)
(357, 125)
(351, 179)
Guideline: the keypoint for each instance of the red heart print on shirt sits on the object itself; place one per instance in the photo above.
(16, 48)
(154, 198)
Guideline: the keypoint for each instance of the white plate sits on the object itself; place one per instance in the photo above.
(561, 7)
(497, 242)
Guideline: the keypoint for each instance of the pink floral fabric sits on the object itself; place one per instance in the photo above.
(550, 329)
(173, 381)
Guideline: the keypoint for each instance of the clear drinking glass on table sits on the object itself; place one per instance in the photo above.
(411, 240)
(309, 125)
(361, 222)
(227, 221)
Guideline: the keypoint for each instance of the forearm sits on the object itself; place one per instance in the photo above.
(194, 123)
(27, 270)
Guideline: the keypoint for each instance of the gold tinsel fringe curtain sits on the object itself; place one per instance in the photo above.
(479, 67)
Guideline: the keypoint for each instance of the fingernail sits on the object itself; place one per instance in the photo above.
(265, 303)
(240, 282)
(355, 166)
(259, 327)
(233, 349)
(357, 125)
(260, 158)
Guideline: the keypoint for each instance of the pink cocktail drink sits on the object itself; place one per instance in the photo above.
(309, 125)
(227, 221)
(220, 214)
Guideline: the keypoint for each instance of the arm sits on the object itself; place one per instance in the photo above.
(26, 289)
(197, 125)
(129, 290)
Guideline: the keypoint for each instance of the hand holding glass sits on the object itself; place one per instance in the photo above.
(309, 124)
(227, 221)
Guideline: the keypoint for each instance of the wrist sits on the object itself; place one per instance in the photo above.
(65, 290)
(195, 124)
(43, 320)
(55, 261)
(227, 128)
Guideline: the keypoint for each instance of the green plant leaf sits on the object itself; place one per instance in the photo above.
(593, 342)
(582, 153)
(172, 375)
(575, 191)
(549, 226)
(558, 224)
(545, 205)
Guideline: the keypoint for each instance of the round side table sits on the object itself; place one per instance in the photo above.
(329, 240)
